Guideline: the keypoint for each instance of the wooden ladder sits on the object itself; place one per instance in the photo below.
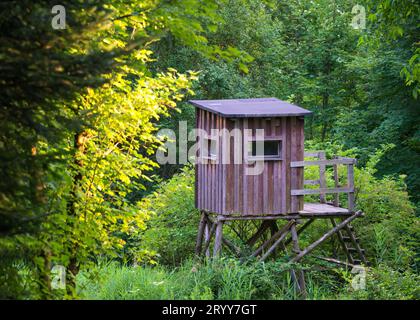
(351, 244)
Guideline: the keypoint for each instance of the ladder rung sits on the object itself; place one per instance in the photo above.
(355, 250)
(345, 238)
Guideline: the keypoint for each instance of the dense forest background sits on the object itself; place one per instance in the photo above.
(80, 108)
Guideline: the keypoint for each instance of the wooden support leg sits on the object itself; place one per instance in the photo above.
(275, 245)
(264, 226)
(207, 238)
(218, 239)
(300, 230)
(273, 229)
(299, 275)
(326, 236)
(210, 227)
(278, 235)
(201, 227)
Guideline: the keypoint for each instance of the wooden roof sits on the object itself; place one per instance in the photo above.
(251, 108)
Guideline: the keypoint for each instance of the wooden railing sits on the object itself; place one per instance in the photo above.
(322, 162)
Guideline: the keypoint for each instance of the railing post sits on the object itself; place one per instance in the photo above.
(350, 185)
(336, 184)
(322, 181)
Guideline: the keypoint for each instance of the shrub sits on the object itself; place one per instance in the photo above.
(172, 229)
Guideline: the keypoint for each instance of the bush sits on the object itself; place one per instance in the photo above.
(385, 283)
(172, 229)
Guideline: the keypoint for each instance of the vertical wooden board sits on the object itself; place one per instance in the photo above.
(197, 164)
(229, 172)
(270, 182)
(220, 170)
(260, 192)
(212, 169)
(277, 187)
(202, 173)
(235, 168)
(250, 178)
(284, 167)
(265, 177)
(202, 166)
(216, 168)
(196, 167)
(256, 188)
(207, 166)
(244, 177)
(300, 157)
(288, 169)
(224, 176)
(240, 167)
(293, 150)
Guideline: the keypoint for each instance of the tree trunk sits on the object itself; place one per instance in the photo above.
(73, 267)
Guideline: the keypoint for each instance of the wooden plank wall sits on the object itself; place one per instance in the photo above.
(225, 189)
(209, 191)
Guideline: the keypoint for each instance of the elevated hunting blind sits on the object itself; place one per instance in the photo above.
(231, 130)
(250, 167)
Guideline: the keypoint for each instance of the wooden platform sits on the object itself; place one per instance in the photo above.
(310, 210)
(314, 208)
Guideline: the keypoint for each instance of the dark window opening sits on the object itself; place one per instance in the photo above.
(267, 149)
(210, 146)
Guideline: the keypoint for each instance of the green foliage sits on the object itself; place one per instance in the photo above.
(394, 20)
(172, 228)
(78, 122)
(227, 279)
(220, 280)
(385, 283)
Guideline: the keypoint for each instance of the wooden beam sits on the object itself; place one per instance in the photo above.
(312, 153)
(322, 180)
(301, 215)
(298, 164)
(208, 237)
(199, 240)
(283, 233)
(342, 242)
(336, 185)
(350, 185)
(264, 226)
(325, 237)
(355, 244)
(311, 182)
(231, 246)
(300, 230)
(218, 239)
(279, 233)
(301, 192)
(300, 283)
(336, 261)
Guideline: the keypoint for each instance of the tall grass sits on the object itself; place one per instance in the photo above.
(222, 280)
(227, 279)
